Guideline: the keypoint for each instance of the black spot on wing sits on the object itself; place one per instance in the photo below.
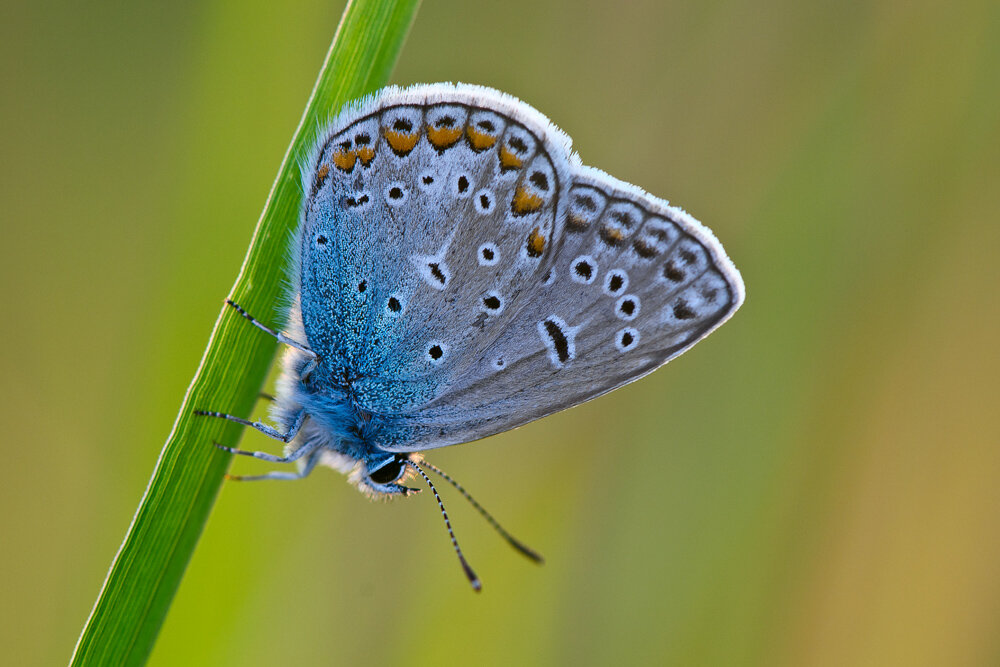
(558, 338)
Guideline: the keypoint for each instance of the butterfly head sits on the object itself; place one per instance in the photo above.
(384, 476)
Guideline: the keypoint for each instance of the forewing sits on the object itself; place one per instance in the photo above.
(428, 213)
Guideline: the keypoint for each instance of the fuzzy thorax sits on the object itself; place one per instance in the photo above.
(333, 428)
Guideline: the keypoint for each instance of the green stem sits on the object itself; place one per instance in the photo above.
(147, 570)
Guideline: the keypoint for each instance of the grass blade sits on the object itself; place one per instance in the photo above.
(147, 570)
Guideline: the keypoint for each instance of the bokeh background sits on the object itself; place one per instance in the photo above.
(815, 484)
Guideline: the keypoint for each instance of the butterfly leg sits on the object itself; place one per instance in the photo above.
(307, 448)
(306, 469)
(281, 338)
(269, 431)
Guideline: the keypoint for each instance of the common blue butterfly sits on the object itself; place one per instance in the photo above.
(459, 272)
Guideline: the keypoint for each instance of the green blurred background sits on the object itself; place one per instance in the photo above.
(815, 484)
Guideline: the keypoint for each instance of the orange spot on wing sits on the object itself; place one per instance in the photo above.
(612, 235)
(575, 223)
(366, 154)
(508, 160)
(321, 173)
(480, 141)
(536, 242)
(443, 137)
(344, 160)
(400, 142)
(525, 202)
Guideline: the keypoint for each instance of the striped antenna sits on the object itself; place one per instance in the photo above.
(530, 553)
(473, 579)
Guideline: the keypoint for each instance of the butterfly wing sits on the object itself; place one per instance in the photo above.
(425, 207)
(567, 285)
(635, 283)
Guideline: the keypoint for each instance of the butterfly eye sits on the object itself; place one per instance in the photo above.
(389, 473)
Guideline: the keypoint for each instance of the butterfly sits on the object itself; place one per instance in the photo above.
(458, 272)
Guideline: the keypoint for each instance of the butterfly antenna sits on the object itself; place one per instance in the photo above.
(533, 555)
(473, 579)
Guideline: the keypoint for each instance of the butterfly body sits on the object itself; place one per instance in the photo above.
(458, 272)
